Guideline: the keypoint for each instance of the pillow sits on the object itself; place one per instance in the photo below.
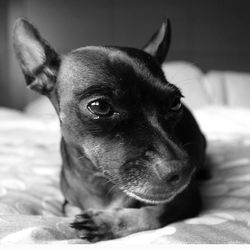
(228, 88)
(189, 79)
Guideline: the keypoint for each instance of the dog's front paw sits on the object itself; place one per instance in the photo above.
(95, 225)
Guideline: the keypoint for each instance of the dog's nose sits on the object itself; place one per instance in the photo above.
(172, 173)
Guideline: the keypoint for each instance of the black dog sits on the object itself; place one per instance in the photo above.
(131, 151)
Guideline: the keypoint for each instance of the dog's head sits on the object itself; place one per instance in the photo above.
(116, 106)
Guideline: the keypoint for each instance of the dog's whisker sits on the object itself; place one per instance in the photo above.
(115, 186)
(81, 157)
(110, 180)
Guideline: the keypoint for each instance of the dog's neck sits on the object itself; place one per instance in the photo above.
(84, 185)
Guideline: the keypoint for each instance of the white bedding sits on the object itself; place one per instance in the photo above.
(30, 199)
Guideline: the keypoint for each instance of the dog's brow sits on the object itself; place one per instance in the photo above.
(175, 90)
(178, 93)
(95, 90)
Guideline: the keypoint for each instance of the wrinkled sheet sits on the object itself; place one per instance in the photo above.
(30, 198)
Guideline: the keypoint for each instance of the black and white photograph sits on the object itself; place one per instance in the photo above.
(124, 122)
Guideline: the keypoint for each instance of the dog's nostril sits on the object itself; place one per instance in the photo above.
(173, 179)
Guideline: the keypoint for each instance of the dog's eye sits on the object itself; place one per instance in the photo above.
(176, 105)
(100, 108)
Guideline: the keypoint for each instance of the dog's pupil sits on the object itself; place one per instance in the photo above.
(100, 107)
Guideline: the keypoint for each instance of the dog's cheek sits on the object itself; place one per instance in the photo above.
(92, 151)
(106, 155)
(73, 129)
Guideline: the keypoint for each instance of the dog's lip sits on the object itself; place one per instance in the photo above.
(162, 198)
(149, 199)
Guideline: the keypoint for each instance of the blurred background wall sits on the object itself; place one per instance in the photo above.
(211, 34)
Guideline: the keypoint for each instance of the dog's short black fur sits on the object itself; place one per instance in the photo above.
(131, 151)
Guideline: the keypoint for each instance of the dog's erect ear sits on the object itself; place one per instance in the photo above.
(39, 62)
(159, 43)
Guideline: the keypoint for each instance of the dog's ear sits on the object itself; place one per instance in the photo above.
(38, 61)
(159, 43)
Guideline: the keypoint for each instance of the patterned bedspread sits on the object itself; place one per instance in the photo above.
(30, 199)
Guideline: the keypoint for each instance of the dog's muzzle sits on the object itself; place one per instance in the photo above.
(155, 182)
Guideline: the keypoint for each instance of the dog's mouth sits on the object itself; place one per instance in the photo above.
(157, 198)
(157, 194)
(145, 188)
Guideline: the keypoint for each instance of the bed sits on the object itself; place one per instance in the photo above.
(31, 201)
